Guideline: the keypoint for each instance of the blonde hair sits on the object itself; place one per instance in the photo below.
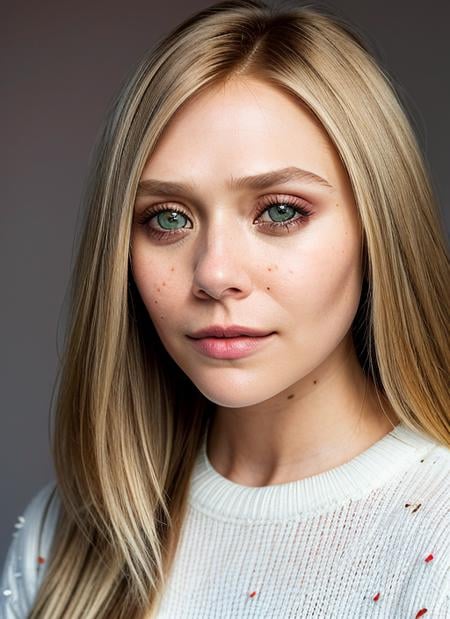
(128, 422)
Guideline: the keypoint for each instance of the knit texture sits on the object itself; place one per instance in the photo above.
(369, 538)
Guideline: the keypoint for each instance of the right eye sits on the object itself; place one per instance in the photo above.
(168, 220)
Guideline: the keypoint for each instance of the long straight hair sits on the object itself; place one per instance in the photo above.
(128, 422)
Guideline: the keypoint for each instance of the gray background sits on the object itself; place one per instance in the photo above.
(63, 62)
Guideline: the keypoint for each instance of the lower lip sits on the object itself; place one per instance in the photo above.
(229, 347)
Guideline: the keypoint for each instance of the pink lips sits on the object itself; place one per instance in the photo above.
(229, 342)
(228, 331)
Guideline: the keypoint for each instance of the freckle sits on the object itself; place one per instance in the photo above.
(290, 396)
(172, 269)
(155, 301)
(158, 289)
(164, 283)
(269, 269)
(290, 271)
(267, 287)
(161, 316)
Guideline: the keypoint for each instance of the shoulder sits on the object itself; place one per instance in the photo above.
(24, 566)
(436, 470)
(436, 494)
(432, 530)
(427, 491)
(435, 491)
(419, 522)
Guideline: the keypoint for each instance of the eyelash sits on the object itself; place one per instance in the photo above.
(300, 206)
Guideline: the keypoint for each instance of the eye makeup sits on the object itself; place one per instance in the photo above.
(275, 206)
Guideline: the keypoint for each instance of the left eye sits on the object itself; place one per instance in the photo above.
(281, 212)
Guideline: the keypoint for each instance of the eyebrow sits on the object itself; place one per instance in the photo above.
(258, 181)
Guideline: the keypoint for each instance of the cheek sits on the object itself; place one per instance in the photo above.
(324, 282)
(158, 286)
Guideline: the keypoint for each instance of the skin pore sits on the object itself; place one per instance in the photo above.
(300, 404)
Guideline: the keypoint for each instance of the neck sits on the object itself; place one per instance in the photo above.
(317, 424)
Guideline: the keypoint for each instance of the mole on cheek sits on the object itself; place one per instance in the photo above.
(290, 396)
(315, 382)
(267, 287)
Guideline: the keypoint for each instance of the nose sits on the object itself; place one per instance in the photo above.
(222, 266)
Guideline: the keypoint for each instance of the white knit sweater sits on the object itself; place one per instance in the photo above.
(369, 538)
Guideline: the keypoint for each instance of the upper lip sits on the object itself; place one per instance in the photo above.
(228, 331)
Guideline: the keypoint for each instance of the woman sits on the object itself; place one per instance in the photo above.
(252, 409)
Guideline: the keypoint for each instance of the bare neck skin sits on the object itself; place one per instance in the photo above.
(325, 421)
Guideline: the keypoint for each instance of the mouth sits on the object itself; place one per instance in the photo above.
(230, 347)
(231, 331)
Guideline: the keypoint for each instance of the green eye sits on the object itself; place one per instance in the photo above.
(281, 212)
(169, 220)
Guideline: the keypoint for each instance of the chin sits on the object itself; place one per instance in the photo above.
(239, 393)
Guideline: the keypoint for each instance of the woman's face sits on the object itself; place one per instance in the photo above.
(278, 255)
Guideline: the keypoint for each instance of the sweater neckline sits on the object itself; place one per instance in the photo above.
(222, 498)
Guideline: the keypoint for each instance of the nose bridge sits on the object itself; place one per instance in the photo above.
(222, 235)
(220, 261)
(222, 232)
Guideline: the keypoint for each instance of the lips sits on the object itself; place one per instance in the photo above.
(222, 331)
(233, 347)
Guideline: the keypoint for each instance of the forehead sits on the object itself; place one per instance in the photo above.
(240, 128)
